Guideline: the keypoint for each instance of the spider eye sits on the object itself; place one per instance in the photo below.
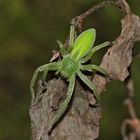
(83, 44)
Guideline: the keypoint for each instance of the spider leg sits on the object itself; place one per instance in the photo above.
(92, 67)
(72, 35)
(88, 83)
(44, 68)
(61, 48)
(64, 105)
(96, 48)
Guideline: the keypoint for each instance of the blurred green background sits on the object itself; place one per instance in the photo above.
(28, 30)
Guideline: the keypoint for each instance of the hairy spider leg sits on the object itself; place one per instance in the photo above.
(91, 67)
(96, 48)
(88, 83)
(71, 36)
(61, 48)
(44, 68)
(64, 105)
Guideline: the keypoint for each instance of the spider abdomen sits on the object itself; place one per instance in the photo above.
(83, 44)
(68, 67)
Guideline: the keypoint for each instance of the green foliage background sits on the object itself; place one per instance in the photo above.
(28, 30)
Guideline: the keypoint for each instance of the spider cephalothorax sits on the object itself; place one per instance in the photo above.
(72, 63)
(68, 66)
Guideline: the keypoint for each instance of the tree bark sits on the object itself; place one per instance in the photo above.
(81, 121)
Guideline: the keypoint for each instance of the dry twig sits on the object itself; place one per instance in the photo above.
(133, 123)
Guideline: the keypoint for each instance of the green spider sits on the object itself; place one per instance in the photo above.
(78, 52)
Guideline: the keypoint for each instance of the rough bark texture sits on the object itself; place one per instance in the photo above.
(81, 121)
(119, 57)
